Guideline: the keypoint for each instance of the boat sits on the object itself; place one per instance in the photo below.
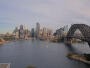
(78, 57)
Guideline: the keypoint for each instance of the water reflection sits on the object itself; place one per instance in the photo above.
(70, 48)
(41, 54)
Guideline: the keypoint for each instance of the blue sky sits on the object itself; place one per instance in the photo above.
(49, 13)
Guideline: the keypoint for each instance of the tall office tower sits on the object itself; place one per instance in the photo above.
(32, 33)
(41, 33)
(21, 32)
(26, 32)
(16, 33)
(44, 32)
(37, 29)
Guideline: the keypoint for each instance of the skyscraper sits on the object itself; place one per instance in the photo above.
(21, 32)
(32, 33)
(26, 34)
(16, 33)
(37, 29)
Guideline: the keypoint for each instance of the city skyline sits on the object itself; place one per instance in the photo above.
(49, 13)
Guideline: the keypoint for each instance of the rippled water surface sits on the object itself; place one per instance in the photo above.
(41, 54)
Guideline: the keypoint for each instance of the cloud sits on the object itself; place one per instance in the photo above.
(50, 13)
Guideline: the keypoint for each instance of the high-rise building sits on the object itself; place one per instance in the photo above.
(16, 33)
(41, 33)
(21, 32)
(32, 33)
(26, 34)
(44, 31)
(37, 29)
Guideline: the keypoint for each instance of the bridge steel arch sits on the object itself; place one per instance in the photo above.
(85, 30)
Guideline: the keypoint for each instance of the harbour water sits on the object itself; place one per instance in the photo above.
(41, 54)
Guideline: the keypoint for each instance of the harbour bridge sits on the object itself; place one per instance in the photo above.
(84, 29)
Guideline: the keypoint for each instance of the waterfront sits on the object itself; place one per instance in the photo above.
(41, 54)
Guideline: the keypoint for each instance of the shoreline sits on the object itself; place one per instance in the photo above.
(78, 57)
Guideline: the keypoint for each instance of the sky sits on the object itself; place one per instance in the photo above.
(49, 13)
